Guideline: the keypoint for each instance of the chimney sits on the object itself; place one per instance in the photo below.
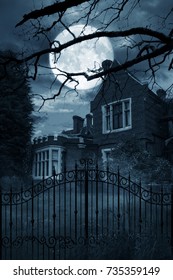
(89, 119)
(77, 124)
(106, 64)
(161, 93)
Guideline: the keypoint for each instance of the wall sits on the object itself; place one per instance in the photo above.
(119, 86)
(147, 110)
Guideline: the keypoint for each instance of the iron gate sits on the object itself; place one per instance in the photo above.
(68, 214)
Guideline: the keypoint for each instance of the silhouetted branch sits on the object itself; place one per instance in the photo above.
(50, 10)
(145, 44)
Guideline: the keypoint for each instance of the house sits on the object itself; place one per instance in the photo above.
(57, 153)
(123, 108)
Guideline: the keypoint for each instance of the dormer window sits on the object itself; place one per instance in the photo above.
(117, 116)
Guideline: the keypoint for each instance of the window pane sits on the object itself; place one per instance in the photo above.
(36, 158)
(47, 168)
(39, 169)
(42, 163)
(55, 166)
(39, 156)
(47, 154)
(127, 118)
(126, 105)
(117, 116)
(107, 156)
(42, 168)
(126, 113)
(107, 118)
(55, 154)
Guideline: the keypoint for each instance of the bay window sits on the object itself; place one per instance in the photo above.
(46, 161)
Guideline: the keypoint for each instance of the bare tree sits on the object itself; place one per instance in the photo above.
(113, 19)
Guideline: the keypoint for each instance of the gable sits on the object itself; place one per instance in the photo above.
(145, 110)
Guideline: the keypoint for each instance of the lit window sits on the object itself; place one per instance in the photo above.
(117, 116)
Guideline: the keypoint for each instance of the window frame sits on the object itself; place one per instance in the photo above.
(43, 159)
(124, 127)
(105, 152)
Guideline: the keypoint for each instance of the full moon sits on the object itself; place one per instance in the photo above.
(82, 57)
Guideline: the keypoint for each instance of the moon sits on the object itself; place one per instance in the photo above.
(81, 57)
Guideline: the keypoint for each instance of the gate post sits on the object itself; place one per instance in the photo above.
(0, 224)
(86, 200)
(54, 213)
(172, 220)
(118, 213)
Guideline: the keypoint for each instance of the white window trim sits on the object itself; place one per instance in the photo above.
(124, 128)
(59, 159)
(103, 151)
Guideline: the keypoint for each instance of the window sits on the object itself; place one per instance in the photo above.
(107, 155)
(41, 164)
(55, 160)
(46, 161)
(107, 117)
(117, 116)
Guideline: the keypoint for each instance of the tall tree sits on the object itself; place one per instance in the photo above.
(15, 118)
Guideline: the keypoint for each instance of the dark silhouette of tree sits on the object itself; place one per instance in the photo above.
(16, 123)
(146, 43)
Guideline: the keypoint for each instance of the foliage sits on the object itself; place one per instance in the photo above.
(15, 119)
(129, 157)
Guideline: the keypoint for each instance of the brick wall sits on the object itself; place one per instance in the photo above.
(147, 110)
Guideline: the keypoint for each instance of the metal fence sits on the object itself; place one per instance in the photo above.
(68, 214)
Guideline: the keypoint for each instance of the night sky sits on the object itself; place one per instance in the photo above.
(59, 113)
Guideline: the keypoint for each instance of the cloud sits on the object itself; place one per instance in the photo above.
(66, 111)
(12, 11)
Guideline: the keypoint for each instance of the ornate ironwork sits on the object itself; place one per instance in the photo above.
(87, 163)
(52, 242)
(93, 175)
(83, 207)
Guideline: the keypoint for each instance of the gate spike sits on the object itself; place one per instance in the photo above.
(107, 167)
(129, 176)
(75, 164)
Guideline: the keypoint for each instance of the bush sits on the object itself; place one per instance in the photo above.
(140, 163)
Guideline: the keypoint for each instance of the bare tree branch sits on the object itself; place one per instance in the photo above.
(145, 44)
(109, 34)
(165, 41)
(49, 10)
